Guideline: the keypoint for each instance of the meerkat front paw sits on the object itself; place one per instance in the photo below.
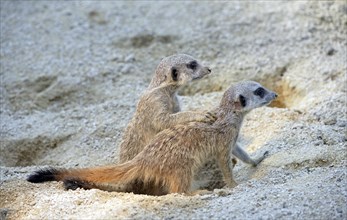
(210, 117)
(205, 117)
(260, 159)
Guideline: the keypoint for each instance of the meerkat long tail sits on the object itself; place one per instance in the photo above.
(89, 177)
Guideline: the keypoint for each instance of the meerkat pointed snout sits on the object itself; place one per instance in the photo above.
(199, 71)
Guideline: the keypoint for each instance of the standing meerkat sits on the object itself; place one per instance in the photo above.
(159, 108)
(171, 159)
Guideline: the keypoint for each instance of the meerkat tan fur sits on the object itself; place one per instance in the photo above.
(174, 155)
(158, 108)
(210, 176)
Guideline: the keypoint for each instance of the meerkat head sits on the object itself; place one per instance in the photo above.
(178, 69)
(248, 95)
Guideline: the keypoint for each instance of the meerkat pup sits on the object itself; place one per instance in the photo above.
(173, 156)
(159, 108)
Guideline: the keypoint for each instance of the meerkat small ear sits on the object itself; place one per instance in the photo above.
(242, 100)
(174, 74)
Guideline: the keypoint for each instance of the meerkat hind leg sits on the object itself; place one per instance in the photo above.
(178, 183)
(242, 155)
(226, 164)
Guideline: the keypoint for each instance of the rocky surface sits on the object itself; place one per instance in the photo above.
(72, 72)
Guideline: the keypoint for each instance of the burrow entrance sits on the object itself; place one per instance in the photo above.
(288, 94)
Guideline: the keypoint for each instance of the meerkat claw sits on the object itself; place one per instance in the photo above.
(211, 117)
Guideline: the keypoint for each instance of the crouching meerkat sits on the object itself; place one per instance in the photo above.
(173, 156)
(159, 108)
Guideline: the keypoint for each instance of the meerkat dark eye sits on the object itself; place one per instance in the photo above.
(192, 65)
(242, 100)
(259, 92)
(174, 74)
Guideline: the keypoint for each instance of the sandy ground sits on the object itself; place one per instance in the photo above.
(72, 72)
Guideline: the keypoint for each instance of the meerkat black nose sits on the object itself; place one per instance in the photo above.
(208, 69)
(276, 95)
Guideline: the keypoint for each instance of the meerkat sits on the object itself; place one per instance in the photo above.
(159, 108)
(174, 155)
